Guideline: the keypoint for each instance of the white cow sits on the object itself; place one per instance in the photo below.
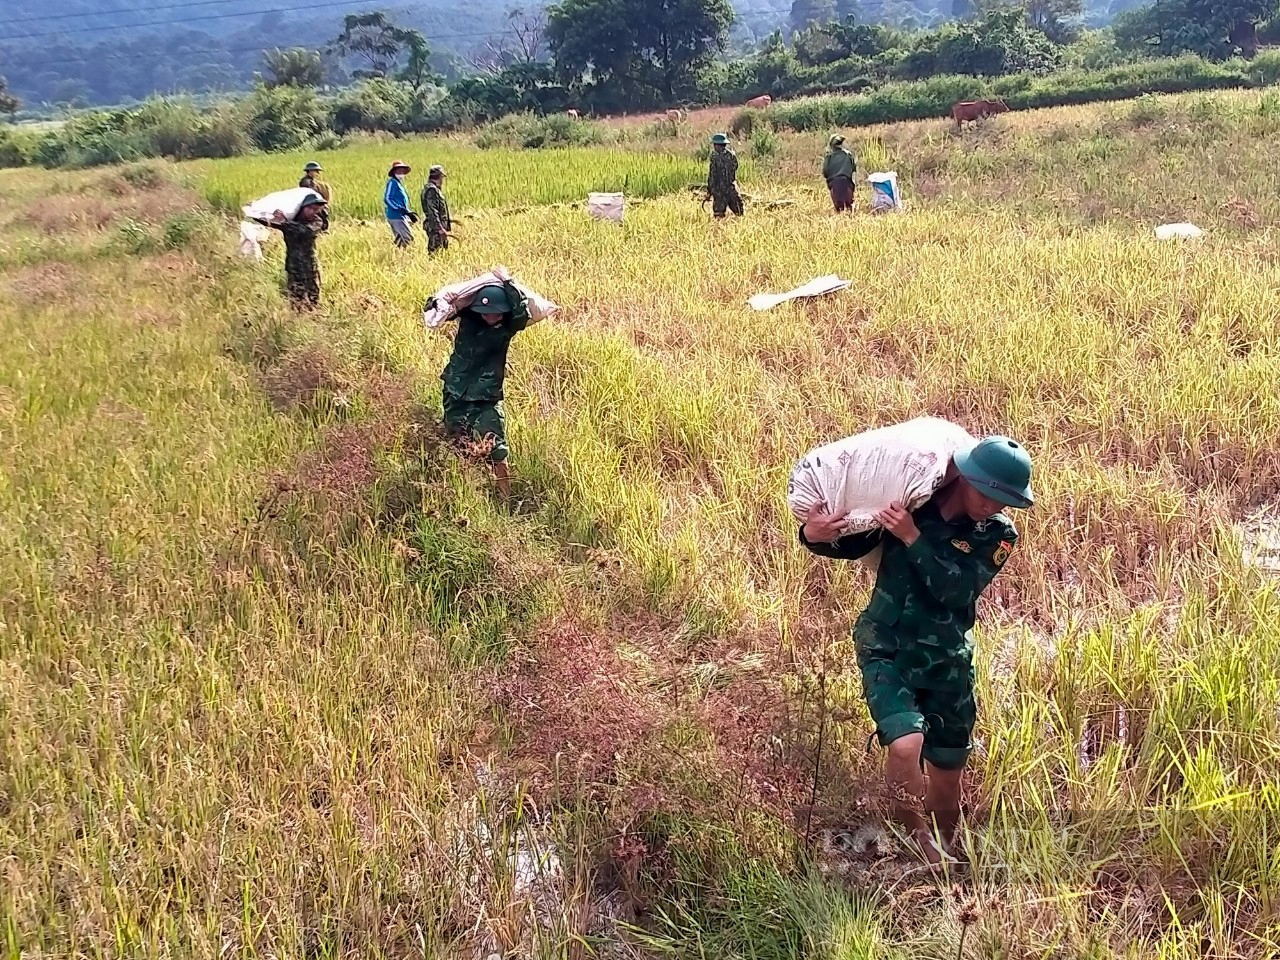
(762, 101)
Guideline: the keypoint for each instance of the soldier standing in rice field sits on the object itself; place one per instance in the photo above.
(722, 178)
(914, 641)
(311, 180)
(435, 211)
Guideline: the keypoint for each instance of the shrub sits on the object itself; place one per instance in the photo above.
(283, 118)
(529, 132)
(935, 96)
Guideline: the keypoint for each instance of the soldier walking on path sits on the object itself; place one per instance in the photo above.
(435, 211)
(396, 201)
(838, 169)
(914, 641)
(311, 180)
(722, 178)
(477, 369)
(301, 268)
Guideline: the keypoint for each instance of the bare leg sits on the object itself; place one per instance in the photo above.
(503, 476)
(906, 784)
(942, 801)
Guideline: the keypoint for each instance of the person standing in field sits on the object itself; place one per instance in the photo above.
(722, 178)
(435, 211)
(838, 169)
(301, 267)
(476, 371)
(396, 201)
(311, 181)
(914, 640)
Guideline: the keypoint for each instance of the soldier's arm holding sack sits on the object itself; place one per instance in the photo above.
(820, 535)
(954, 577)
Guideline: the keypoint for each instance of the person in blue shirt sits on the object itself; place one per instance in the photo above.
(396, 200)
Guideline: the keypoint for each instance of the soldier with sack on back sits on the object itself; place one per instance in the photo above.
(301, 268)
(477, 371)
(914, 641)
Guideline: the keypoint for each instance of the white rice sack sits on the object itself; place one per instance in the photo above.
(606, 206)
(445, 304)
(860, 475)
(252, 236)
(885, 197)
(287, 202)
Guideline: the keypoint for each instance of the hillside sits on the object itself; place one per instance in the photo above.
(278, 677)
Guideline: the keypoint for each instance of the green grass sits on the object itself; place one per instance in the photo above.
(477, 179)
(277, 677)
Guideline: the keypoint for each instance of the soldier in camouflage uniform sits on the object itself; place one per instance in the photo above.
(311, 180)
(722, 178)
(301, 268)
(435, 211)
(474, 376)
(914, 641)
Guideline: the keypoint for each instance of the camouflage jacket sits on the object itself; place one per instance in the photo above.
(925, 599)
(310, 182)
(478, 365)
(300, 261)
(435, 209)
(722, 173)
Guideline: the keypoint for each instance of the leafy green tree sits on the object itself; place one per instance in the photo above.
(296, 67)
(806, 13)
(1056, 19)
(638, 52)
(378, 44)
(1216, 29)
(9, 104)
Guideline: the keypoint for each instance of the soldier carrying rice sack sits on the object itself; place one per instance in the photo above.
(914, 640)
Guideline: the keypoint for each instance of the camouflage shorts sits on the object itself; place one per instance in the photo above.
(477, 419)
(945, 712)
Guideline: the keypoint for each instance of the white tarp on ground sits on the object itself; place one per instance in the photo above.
(818, 287)
(444, 305)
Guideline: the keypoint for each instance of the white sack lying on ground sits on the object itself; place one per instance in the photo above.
(606, 206)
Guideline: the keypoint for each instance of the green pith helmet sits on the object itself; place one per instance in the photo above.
(491, 299)
(313, 200)
(313, 167)
(998, 468)
(719, 138)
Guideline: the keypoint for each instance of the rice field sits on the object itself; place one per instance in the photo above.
(478, 179)
(279, 678)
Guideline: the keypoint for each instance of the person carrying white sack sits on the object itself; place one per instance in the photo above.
(914, 640)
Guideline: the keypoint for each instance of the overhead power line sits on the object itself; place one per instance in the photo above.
(9, 21)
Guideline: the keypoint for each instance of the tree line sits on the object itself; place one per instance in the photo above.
(611, 56)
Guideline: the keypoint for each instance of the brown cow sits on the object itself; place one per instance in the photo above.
(675, 114)
(974, 110)
(762, 101)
